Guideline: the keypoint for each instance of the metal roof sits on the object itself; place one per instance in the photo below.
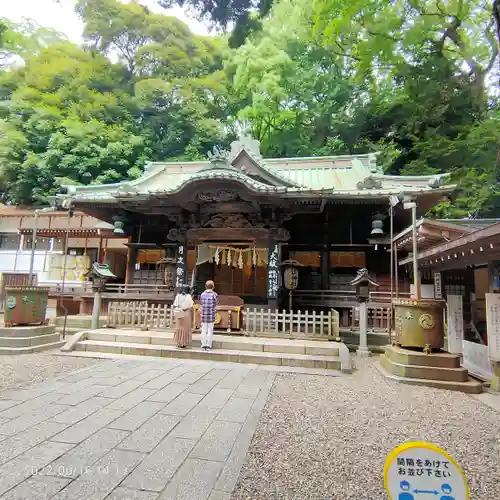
(355, 176)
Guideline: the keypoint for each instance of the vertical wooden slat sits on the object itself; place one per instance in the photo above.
(144, 314)
(117, 308)
(164, 316)
(133, 318)
(330, 323)
(306, 323)
(314, 323)
(321, 323)
(276, 322)
(158, 312)
(283, 323)
(127, 311)
(261, 320)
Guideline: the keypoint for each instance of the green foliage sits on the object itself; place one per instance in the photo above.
(19, 40)
(150, 45)
(242, 17)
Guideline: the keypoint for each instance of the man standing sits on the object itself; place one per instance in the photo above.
(208, 309)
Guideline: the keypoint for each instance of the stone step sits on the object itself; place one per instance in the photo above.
(226, 342)
(69, 331)
(425, 372)
(470, 387)
(80, 322)
(235, 356)
(31, 349)
(416, 358)
(29, 341)
(26, 331)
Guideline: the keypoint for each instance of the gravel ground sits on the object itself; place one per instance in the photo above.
(16, 371)
(326, 438)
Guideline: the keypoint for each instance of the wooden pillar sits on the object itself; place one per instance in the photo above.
(99, 250)
(325, 254)
(131, 263)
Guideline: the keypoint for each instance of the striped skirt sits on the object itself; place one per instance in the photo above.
(183, 331)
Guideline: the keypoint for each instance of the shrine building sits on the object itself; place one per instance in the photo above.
(234, 217)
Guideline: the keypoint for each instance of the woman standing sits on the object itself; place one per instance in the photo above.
(183, 307)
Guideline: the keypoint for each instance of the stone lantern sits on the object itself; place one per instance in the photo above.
(363, 283)
(99, 274)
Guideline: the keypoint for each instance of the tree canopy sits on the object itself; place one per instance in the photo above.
(416, 80)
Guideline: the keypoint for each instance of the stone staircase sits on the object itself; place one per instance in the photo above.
(236, 349)
(439, 369)
(28, 339)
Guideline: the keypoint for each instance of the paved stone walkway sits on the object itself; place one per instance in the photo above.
(131, 430)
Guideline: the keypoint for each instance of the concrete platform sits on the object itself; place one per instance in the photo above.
(248, 350)
(440, 370)
(28, 339)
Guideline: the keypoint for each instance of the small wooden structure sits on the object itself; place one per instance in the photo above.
(228, 316)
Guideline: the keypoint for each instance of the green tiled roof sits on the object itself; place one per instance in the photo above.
(335, 176)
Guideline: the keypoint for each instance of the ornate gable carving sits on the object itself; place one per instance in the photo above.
(221, 195)
(230, 221)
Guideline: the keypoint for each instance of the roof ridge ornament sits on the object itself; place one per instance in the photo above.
(370, 182)
(247, 143)
(219, 157)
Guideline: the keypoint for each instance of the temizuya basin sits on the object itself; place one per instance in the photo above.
(419, 323)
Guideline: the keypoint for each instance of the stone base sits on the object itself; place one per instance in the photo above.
(363, 352)
(440, 369)
(28, 339)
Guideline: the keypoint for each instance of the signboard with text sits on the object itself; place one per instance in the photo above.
(493, 324)
(273, 274)
(455, 320)
(417, 470)
(438, 290)
(180, 270)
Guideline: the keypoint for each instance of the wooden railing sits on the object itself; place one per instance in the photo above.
(328, 324)
(135, 314)
(140, 315)
(339, 298)
(138, 289)
(291, 323)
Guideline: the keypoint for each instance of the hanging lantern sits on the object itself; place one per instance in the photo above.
(291, 278)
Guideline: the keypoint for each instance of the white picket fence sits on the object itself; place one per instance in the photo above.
(140, 314)
(291, 323)
(132, 314)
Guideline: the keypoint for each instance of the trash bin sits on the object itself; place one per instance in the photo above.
(25, 305)
(419, 323)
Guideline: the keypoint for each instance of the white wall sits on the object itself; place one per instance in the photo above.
(10, 263)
